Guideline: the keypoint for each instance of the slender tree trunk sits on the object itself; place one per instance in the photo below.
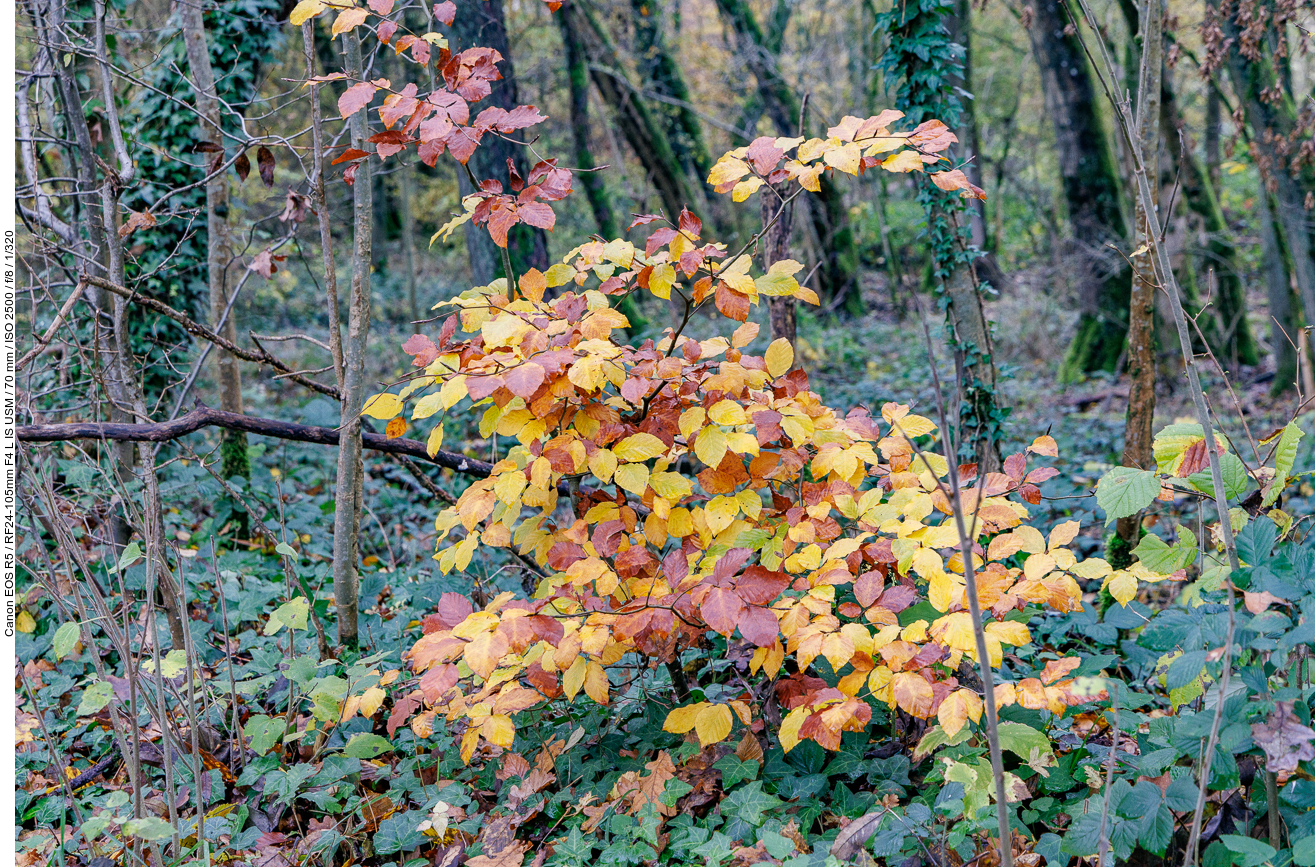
(320, 200)
(1138, 432)
(405, 182)
(484, 24)
(347, 499)
(1091, 191)
(637, 124)
(219, 246)
(838, 274)
(776, 247)
(1283, 332)
(1212, 133)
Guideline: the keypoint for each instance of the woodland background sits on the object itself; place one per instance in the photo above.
(186, 261)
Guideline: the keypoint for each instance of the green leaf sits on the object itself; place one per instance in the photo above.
(285, 549)
(398, 833)
(1303, 852)
(1285, 455)
(1125, 491)
(149, 828)
(264, 732)
(66, 638)
(173, 664)
(294, 614)
(734, 770)
(1235, 476)
(749, 803)
(1155, 555)
(95, 697)
(1027, 743)
(366, 746)
(1185, 670)
(1249, 852)
(131, 554)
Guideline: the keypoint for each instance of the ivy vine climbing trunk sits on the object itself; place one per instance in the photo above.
(484, 23)
(838, 273)
(219, 244)
(921, 53)
(1138, 431)
(350, 478)
(1091, 192)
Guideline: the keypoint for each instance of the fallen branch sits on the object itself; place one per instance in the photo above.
(204, 416)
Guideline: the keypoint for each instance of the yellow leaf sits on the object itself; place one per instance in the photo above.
(720, 512)
(691, 420)
(632, 478)
(846, 158)
(710, 447)
(304, 11)
(560, 275)
(499, 729)
(469, 741)
(779, 357)
(671, 486)
(789, 730)
(435, 441)
(595, 683)
(427, 406)
(744, 335)
(1123, 587)
(745, 188)
(957, 708)
(681, 719)
(661, 280)
(727, 412)
(573, 679)
(1009, 632)
(371, 700)
(639, 447)
(382, 406)
(602, 463)
(904, 161)
(349, 19)
(713, 724)
(727, 169)
(25, 623)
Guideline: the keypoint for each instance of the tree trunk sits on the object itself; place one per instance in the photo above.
(838, 274)
(320, 200)
(1091, 191)
(405, 182)
(219, 245)
(1267, 103)
(660, 73)
(637, 124)
(775, 246)
(577, 74)
(347, 498)
(1138, 431)
(1283, 332)
(484, 24)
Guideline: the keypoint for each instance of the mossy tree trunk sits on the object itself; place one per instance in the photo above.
(838, 273)
(1091, 192)
(1283, 335)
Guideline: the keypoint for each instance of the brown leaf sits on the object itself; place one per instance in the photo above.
(854, 837)
(264, 263)
(136, 220)
(1284, 739)
(242, 166)
(358, 96)
(265, 161)
(510, 856)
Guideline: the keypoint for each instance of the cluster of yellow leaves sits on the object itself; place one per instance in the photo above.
(851, 146)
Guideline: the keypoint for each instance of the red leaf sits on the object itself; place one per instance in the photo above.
(445, 12)
(422, 348)
(357, 97)
(462, 141)
(868, 586)
(764, 154)
(722, 610)
(660, 238)
(350, 175)
(349, 155)
(453, 608)
(1015, 466)
(524, 379)
(500, 223)
(732, 304)
(538, 214)
(385, 31)
(760, 626)
(380, 7)
(520, 117)
(690, 224)
(402, 709)
(643, 220)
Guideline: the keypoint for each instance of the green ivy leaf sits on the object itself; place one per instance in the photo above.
(1124, 491)
(264, 732)
(149, 828)
(398, 833)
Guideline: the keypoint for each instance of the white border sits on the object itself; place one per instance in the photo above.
(8, 446)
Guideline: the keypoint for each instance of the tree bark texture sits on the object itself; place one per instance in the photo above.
(1283, 331)
(1138, 431)
(483, 23)
(347, 498)
(1091, 191)
(781, 312)
(219, 244)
